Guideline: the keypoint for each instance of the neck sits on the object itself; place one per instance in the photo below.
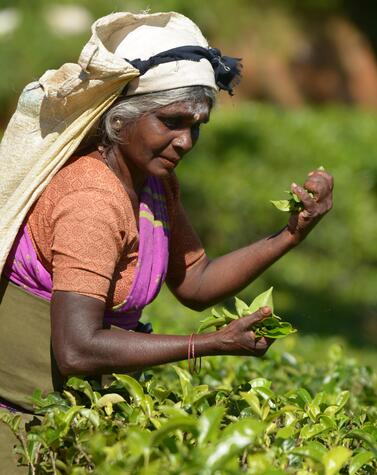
(131, 178)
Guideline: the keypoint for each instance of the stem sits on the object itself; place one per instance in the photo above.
(21, 438)
(244, 460)
(52, 457)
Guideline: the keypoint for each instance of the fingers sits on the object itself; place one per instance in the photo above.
(316, 194)
(304, 196)
(238, 337)
(250, 320)
(263, 344)
(325, 175)
(320, 184)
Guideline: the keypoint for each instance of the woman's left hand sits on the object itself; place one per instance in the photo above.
(320, 184)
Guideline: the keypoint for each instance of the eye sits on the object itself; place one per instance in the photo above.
(172, 123)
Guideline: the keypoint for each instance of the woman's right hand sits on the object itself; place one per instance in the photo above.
(238, 338)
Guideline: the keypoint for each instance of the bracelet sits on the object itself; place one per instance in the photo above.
(194, 363)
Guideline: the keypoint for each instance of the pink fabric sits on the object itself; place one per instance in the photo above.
(153, 257)
(24, 269)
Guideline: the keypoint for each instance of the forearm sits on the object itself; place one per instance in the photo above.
(123, 351)
(227, 275)
(82, 346)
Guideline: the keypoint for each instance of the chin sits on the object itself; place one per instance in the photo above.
(161, 172)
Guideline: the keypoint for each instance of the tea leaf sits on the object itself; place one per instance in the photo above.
(241, 307)
(262, 300)
(359, 460)
(235, 438)
(209, 424)
(335, 459)
(314, 450)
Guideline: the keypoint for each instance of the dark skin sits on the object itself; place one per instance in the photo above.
(154, 145)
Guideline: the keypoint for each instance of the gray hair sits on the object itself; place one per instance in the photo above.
(129, 109)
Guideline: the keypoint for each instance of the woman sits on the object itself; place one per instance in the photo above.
(109, 229)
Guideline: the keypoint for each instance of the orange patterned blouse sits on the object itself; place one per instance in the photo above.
(85, 231)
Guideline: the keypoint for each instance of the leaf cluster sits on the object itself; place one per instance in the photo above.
(271, 327)
(294, 205)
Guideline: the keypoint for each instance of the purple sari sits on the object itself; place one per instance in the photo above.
(24, 269)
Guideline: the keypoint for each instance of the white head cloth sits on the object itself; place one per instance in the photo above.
(56, 112)
(148, 35)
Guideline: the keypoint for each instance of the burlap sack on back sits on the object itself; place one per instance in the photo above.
(53, 115)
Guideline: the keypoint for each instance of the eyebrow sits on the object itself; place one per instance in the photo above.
(186, 115)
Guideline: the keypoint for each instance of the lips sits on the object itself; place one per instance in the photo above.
(169, 162)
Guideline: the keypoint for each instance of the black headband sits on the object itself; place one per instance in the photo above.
(227, 69)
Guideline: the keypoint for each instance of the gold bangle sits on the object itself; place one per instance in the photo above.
(194, 363)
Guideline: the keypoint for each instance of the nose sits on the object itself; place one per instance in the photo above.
(183, 142)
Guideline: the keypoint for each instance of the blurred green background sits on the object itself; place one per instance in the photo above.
(308, 98)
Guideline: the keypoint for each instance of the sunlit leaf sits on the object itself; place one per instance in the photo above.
(83, 386)
(303, 396)
(262, 300)
(184, 424)
(258, 463)
(366, 437)
(253, 401)
(334, 459)
(359, 460)
(282, 205)
(342, 399)
(211, 322)
(235, 438)
(132, 386)
(286, 432)
(12, 420)
(241, 307)
(314, 450)
(209, 424)
(310, 431)
(185, 381)
(108, 400)
(91, 415)
(260, 383)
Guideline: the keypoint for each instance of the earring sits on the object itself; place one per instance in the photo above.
(118, 124)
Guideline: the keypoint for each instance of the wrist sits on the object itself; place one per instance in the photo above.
(208, 344)
(292, 238)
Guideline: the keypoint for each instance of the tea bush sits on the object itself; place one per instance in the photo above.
(271, 416)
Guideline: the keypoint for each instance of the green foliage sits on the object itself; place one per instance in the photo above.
(275, 415)
(272, 327)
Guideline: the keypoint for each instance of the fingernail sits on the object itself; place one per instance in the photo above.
(294, 185)
(311, 173)
(266, 310)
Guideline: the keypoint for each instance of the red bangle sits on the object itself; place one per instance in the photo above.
(194, 363)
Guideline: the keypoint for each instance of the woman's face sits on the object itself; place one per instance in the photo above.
(157, 141)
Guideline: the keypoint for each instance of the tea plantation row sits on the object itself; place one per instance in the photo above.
(271, 416)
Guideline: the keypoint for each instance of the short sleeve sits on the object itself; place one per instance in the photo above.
(88, 234)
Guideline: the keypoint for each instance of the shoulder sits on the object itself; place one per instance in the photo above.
(85, 185)
(86, 172)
